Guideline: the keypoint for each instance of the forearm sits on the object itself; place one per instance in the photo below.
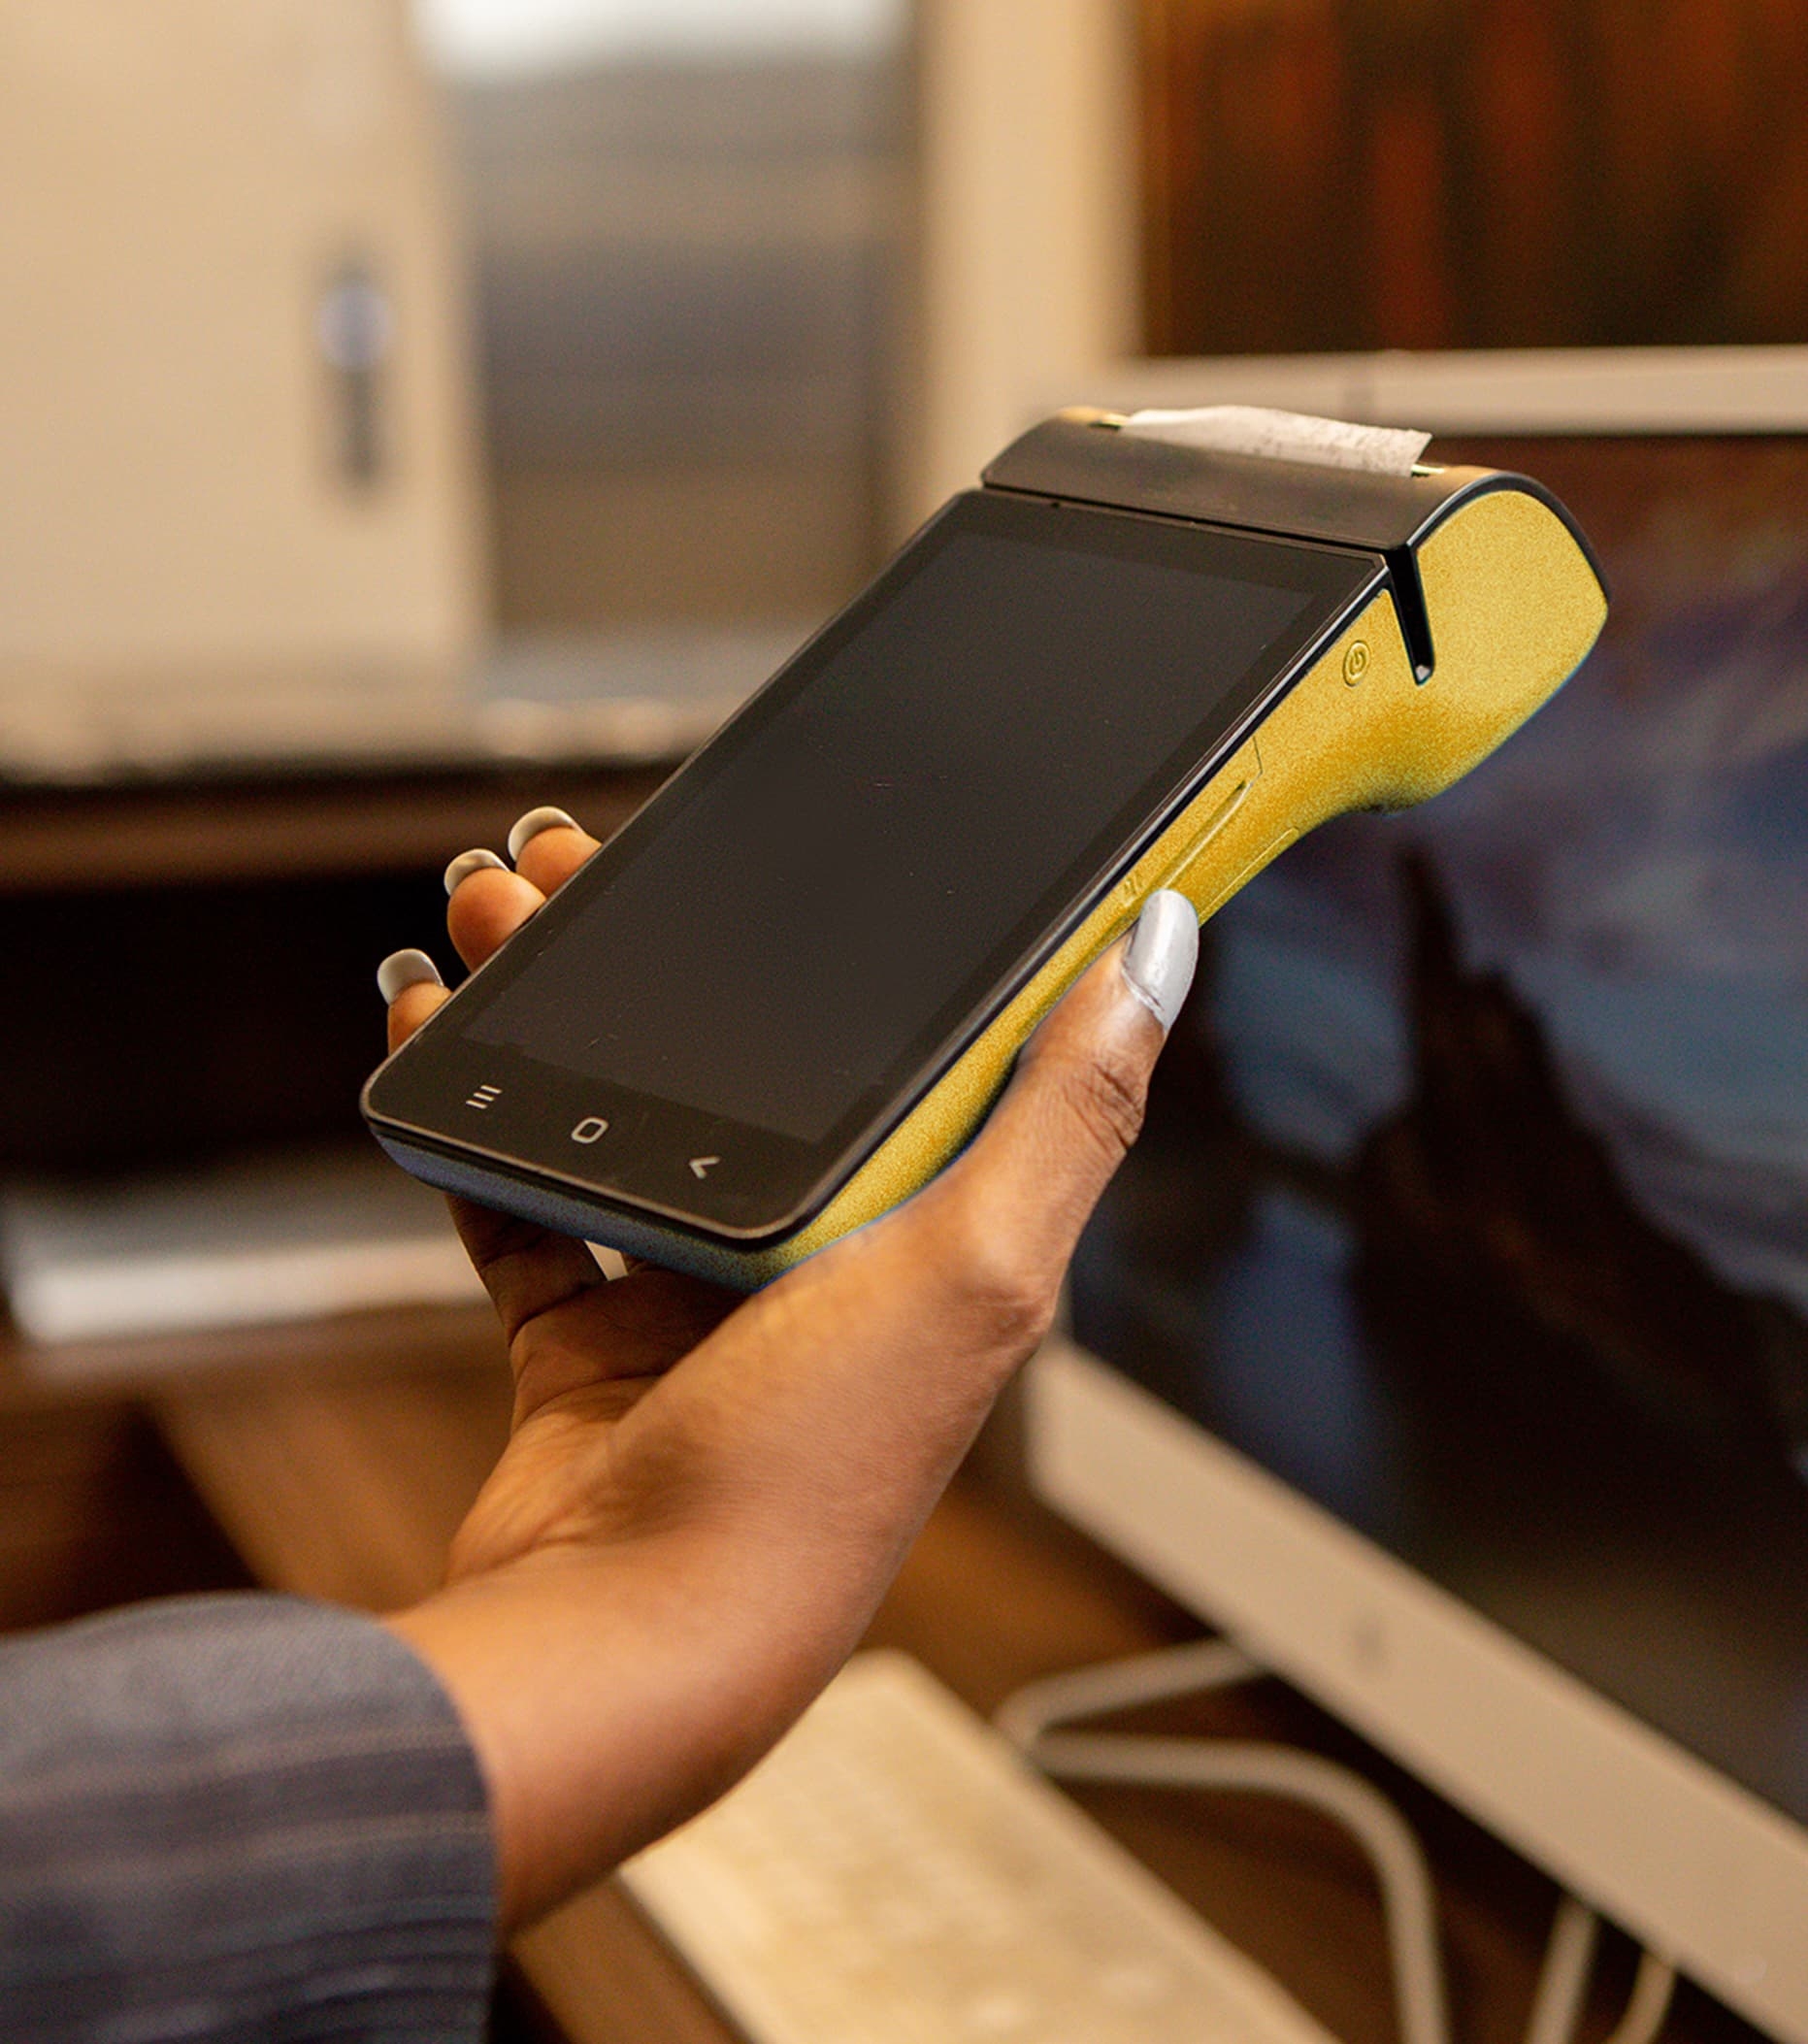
(746, 1528)
(610, 1695)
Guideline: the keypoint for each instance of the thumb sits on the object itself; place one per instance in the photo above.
(1075, 1103)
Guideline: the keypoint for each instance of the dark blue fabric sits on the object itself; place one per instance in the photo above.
(237, 1817)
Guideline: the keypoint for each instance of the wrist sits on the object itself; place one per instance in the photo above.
(609, 1696)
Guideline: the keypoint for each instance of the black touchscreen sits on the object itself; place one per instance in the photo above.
(852, 866)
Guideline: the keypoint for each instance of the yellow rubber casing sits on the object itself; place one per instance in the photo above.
(1514, 606)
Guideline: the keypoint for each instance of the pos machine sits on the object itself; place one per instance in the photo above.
(1150, 652)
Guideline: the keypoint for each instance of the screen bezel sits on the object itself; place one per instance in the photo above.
(779, 1181)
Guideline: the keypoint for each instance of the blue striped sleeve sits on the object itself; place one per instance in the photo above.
(237, 1817)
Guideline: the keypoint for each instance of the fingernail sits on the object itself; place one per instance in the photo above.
(469, 862)
(401, 969)
(1164, 954)
(530, 825)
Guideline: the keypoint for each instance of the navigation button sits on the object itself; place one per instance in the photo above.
(592, 1128)
(485, 1097)
(702, 1167)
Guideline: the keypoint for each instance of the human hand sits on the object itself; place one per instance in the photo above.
(705, 1497)
(582, 1350)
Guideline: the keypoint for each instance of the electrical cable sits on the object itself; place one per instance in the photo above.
(1192, 1670)
(1028, 1717)
(1563, 1983)
(1564, 1980)
(1649, 2002)
(1298, 1777)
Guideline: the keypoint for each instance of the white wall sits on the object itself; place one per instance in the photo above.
(1028, 219)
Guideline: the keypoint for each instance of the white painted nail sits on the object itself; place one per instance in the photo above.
(469, 862)
(529, 827)
(1164, 954)
(401, 969)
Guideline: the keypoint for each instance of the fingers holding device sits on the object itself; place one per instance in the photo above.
(788, 992)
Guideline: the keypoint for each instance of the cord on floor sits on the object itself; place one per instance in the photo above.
(1029, 1718)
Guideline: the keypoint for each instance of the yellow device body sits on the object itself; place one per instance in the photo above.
(1514, 606)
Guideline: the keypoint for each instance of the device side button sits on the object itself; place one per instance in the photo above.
(1187, 837)
(1215, 821)
(1193, 831)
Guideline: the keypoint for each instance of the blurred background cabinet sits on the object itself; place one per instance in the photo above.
(236, 413)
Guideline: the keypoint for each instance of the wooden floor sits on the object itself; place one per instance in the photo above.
(336, 1461)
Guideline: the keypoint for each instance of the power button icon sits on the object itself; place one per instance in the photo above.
(592, 1128)
(1356, 660)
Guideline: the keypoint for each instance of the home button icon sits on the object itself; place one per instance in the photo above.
(592, 1128)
